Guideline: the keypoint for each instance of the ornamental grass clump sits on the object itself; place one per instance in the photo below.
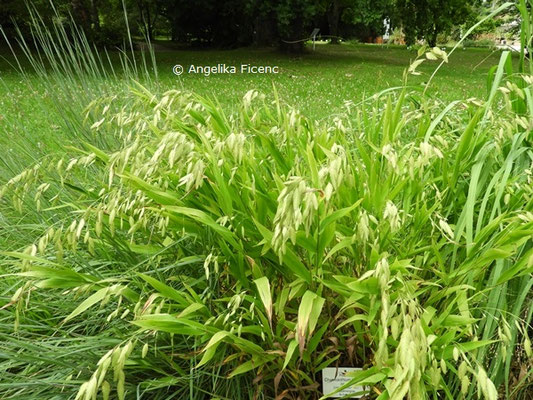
(251, 251)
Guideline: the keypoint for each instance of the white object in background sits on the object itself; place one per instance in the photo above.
(334, 378)
(313, 36)
(386, 26)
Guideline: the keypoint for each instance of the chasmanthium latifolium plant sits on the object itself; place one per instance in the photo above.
(256, 249)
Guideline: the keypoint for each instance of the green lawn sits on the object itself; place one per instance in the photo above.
(317, 83)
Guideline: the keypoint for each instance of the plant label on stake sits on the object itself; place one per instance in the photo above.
(334, 378)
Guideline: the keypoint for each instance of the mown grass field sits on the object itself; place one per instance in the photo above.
(317, 83)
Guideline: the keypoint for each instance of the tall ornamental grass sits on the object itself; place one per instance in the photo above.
(194, 254)
(63, 72)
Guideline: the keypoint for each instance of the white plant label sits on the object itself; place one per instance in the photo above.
(334, 378)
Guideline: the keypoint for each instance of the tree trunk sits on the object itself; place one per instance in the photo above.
(150, 23)
(174, 28)
(333, 21)
(293, 39)
(146, 18)
(95, 18)
(432, 36)
(264, 30)
(81, 15)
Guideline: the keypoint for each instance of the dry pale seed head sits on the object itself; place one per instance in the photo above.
(296, 206)
(120, 385)
(363, 227)
(392, 214)
(144, 350)
(465, 384)
(446, 229)
(235, 144)
(249, 97)
(435, 375)
(106, 390)
(390, 154)
(456, 353)
(527, 346)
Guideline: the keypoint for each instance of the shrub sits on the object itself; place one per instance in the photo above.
(397, 37)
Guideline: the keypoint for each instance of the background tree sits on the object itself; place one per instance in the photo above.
(506, 23)
(234, 23)
(15, 13)
(294, 19)
(334, 12)
(366, 17)
(425, 19)
(210, 22)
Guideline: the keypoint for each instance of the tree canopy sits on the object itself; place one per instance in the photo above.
(425, 19)
(235, 23)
